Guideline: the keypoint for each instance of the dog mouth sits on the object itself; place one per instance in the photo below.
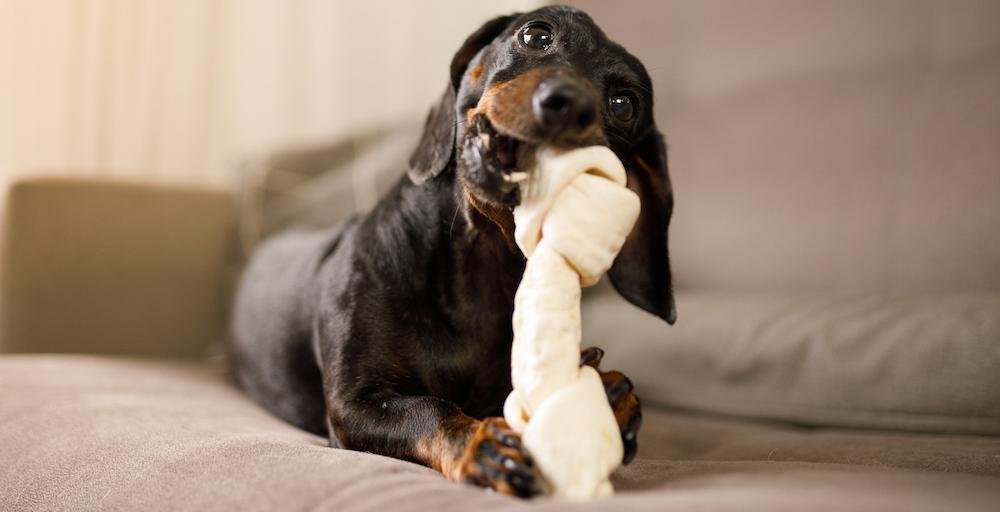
(509, 155)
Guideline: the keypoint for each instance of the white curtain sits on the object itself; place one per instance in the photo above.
(177, 90)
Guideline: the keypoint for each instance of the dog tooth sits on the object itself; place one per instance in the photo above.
(486, 139)
(517, 176)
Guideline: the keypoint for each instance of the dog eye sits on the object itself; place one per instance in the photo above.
(622, 107)
(537, 36)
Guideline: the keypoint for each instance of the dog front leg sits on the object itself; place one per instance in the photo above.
(436, 433)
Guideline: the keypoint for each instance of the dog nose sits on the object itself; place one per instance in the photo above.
(563, 108)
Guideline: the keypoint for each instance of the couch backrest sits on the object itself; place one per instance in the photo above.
(848, 146)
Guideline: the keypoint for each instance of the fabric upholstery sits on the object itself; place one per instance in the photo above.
(920, 362)
(826, 145)
(836, 175)
(99, 433)
(107, 267)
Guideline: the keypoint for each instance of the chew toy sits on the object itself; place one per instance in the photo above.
(574, 215)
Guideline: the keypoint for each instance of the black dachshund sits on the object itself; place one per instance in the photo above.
(392, 332)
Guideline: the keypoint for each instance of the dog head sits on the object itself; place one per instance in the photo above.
(552, 77)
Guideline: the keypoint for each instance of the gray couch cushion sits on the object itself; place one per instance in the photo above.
(922, 362)
(87, 433)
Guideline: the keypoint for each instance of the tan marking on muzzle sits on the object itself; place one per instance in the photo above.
(508, 106)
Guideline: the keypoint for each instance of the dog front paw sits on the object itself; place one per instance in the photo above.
(628, 411)
(495, 458)
(624, 402)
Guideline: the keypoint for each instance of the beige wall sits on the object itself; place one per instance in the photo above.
(177, 90)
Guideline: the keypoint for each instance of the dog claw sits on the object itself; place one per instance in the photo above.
(509, 440)
(629, 434)
(591, 357)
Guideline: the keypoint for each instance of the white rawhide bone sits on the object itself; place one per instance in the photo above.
(573, 218)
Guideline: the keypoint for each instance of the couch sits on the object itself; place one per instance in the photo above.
(836, 169)
(112, 394)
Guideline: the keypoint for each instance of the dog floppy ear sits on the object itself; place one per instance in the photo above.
(641, 272)
(437, 144)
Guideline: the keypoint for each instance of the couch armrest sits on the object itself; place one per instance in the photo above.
(92, 266)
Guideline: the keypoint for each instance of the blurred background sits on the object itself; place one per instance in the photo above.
(176, 92)
(836, 167)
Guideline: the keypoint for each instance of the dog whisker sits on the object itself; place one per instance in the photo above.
(451, 229)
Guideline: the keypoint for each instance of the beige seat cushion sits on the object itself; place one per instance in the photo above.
(920, 362)
(89, 433)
